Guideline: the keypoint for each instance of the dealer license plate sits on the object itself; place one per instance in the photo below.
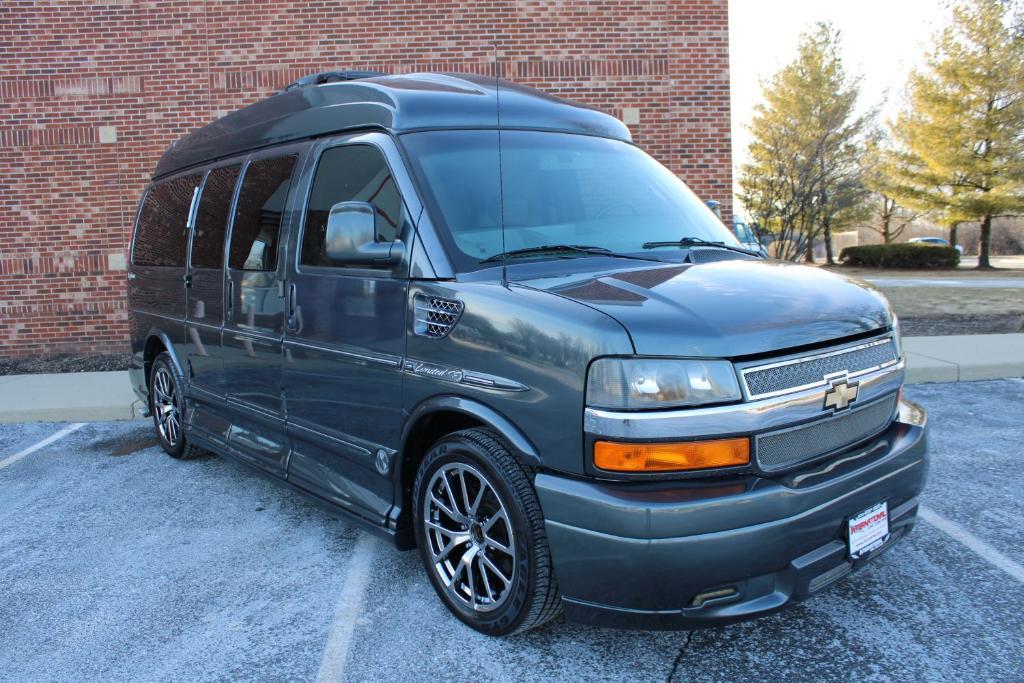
(868, 530)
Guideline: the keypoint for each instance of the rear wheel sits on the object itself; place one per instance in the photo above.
(481, 535)
(167, 405)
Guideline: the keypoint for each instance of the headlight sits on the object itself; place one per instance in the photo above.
(638, 383)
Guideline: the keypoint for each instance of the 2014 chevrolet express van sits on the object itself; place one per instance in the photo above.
(482, 322)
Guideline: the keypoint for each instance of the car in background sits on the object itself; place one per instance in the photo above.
(745, 234)
(936, 242)
(741, 230)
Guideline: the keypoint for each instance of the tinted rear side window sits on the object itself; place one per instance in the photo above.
(212, 217)
(161, 236)
(258, 216)
(344, 174)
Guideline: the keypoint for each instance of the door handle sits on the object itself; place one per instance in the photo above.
(292, 294)
(188, 280)
(231, 297)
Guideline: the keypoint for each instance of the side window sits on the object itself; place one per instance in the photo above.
(258, 216)
(161, 236)
(212, 217)
(345, 174)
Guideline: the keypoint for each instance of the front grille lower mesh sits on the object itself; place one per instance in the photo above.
(812, 370)
(777, 450)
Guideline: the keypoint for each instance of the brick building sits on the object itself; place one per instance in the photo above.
(91, 93)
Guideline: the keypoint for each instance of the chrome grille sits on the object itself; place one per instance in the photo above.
(435, 317)
(784, 448)
(810, 371)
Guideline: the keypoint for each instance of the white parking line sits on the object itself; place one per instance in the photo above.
(347, 609)
(42, 444)
(983, 549)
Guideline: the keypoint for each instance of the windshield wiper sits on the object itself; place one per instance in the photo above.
(556, 248)
(699, 242)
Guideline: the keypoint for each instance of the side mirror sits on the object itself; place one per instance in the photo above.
(352, 237)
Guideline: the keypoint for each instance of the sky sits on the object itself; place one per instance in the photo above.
(883, 40)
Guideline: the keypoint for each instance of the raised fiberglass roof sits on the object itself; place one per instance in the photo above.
(395, 103)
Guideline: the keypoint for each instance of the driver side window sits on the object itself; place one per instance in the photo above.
(344, 174)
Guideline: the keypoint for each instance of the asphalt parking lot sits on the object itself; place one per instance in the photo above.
(118, 563)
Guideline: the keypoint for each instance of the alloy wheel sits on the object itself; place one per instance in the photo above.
(165, 406)
(469, 536)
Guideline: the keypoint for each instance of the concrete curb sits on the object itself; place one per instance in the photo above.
(95, 396)
(964, 358)
(71, 397)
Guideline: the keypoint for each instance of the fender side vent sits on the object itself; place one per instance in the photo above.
(435, 317)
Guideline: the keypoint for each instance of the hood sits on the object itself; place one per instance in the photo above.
(726, 309)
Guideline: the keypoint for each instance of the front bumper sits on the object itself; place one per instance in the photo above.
(636, 554)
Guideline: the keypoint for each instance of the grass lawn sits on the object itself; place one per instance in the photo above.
(942, 310)
(915, 302)
(952, 274)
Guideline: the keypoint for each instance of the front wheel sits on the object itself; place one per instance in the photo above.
(481, 536)
(167, 405)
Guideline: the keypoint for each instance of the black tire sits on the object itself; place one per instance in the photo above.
(531, 597)
(174, 442)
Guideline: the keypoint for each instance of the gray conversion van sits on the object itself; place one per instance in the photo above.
(481, 322)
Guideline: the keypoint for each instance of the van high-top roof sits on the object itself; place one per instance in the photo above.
(347, 101)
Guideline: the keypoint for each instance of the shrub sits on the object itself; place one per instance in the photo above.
(900, 256)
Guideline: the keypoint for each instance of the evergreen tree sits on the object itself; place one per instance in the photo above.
(888, 214)
(962, 133)
(802, 180)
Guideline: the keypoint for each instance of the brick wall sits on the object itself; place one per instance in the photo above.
(91, 93)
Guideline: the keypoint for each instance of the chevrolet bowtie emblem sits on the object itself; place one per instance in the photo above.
(841, 393)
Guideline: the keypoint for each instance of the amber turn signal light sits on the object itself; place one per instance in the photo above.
(670, 457)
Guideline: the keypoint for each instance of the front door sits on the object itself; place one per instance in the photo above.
(254, 313)
(345, 340)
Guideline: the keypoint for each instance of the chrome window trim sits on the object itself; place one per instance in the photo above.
(744, 371)
(751, 417)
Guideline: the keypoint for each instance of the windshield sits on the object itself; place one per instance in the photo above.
(558, 189)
